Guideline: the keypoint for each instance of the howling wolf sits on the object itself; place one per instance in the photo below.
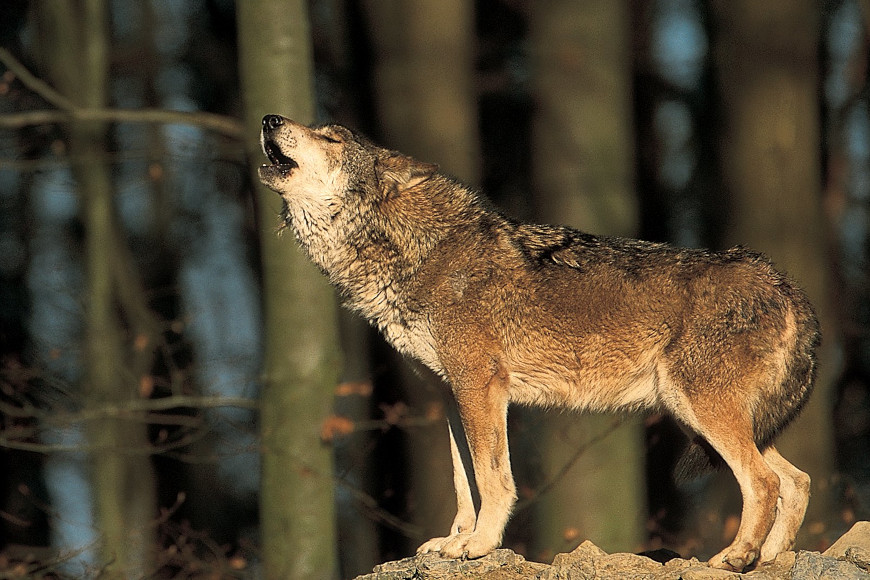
(547, 315)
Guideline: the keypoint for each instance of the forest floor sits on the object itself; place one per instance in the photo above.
(847, 559)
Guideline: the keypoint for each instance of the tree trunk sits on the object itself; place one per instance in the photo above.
(583, 141)
(583, 176)
(301, 366)
(77, 48)
(766, 58)
(427, 104)
(424, 77)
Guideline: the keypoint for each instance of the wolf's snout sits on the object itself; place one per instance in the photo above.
(280, 164)
(271, 122)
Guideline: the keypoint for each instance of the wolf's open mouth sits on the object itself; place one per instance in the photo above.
(273, 152)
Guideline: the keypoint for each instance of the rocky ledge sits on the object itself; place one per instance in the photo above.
(847, 559)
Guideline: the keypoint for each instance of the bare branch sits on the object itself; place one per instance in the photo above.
(227, 126)
(22, 439)
(160, 404)
(69, 111)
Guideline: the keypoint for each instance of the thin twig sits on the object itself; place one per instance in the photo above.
(34, 83)
(371, 508)
(544, 489)
(164, 403)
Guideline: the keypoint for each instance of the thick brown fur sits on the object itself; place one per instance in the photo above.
(546, 315)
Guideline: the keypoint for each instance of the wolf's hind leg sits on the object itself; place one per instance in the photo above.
(462, 472)
(759, 486)
(720, 415)
(794, 496)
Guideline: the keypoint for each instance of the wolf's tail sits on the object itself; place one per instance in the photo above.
(697, 459)
(781, 405)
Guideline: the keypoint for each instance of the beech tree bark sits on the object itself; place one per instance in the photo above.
(76, 50)
(301, 361)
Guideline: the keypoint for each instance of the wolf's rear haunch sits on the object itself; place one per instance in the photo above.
(546, 315)
(784, 399)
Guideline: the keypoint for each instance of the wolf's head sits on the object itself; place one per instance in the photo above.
(306, 164)
(319, 171)
(341, 190)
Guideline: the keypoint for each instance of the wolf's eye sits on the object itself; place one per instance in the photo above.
(330, 139)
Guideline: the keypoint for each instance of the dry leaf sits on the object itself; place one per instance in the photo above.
(334, 426)
(361, 388)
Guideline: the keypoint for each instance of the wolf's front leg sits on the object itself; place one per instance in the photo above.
(463, 477)
(483, 412)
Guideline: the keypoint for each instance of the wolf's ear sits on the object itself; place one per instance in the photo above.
(397, 172)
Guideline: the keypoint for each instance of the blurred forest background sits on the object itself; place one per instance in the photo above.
(180, 396)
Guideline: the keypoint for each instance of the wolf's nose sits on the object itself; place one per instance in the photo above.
(272, 121)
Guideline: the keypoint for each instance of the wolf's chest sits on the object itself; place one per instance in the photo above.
(406, 331)
(413, 339)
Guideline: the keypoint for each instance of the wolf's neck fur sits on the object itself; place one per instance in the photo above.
(371, 251)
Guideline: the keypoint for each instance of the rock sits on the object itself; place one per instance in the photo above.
(780, 568)
(847, 559)
(815, 566)
(678, 567)
(501, 564)
(660, 555)
(853, 548)
(588, 562)
(580, 563)
(858, 556)
(707, 573)
(857, 536)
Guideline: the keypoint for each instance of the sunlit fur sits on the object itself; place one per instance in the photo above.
(547, 315)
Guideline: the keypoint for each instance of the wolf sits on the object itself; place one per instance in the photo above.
(509, 312)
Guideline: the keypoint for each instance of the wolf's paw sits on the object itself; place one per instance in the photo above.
(735, 558)
(464, 545)
(433, 545)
